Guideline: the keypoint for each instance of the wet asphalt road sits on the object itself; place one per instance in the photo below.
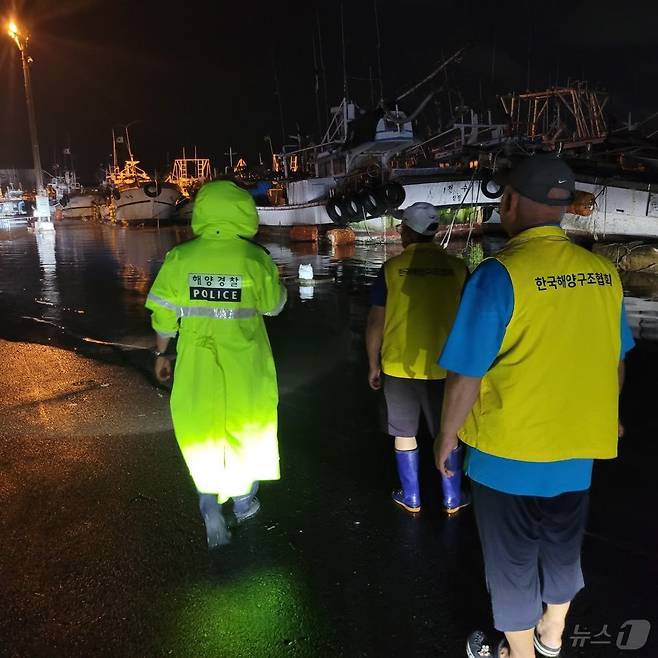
(104, 554)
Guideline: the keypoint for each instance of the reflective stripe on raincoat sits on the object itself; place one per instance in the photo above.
(213, 292)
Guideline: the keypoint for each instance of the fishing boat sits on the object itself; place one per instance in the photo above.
(616, 170)
(188, 175)
(134, 197)
(370, 165)
(82, 204)
(14, 204)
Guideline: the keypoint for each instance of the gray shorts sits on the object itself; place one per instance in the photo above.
(531, 548)
(406, 398)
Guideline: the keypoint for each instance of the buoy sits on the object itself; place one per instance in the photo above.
(305, 272)
(303, 234)
(340, 236)
(583, 204)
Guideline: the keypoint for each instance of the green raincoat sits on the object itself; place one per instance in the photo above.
(213, 292)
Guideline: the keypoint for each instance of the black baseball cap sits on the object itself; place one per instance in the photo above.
(534, 176)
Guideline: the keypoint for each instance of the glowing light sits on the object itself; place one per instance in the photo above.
(13, 29)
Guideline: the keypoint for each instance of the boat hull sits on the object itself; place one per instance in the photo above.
(443, 194)
(619, 212)
(82, 206)
(135, 207)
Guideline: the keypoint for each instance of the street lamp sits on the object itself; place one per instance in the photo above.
(21, 43)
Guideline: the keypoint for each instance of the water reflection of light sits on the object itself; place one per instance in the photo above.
(48, 261)
(256, 615)
(306, 292)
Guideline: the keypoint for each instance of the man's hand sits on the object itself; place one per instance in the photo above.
(162, 369)
(443, 447)
(621, 430)
(375, 378)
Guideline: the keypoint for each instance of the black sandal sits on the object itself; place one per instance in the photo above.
(543, 649)
(477, 646)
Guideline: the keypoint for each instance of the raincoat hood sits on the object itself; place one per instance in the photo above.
(222, 210)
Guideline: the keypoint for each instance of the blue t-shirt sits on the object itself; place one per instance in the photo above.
(378, 290)
(472, 346)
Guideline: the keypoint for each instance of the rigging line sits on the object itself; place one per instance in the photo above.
(446, 239)
(379, 55)
(435, 72)
(342, 35)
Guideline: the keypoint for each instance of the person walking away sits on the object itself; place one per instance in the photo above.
(213, 292)
(535, 398)
(413, 305)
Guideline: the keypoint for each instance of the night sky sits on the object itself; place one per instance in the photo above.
(202, 73)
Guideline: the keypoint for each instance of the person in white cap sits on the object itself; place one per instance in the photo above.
(413, 305)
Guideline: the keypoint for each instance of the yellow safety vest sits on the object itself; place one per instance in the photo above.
(552, 392)
(424, 286)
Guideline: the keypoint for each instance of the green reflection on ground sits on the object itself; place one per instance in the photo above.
(265, 613)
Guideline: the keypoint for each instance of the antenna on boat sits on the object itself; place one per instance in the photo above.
(114, 149)
(529, 53)
(379, 56)
(130, 151)
(322, 69)
(277, 91)
(318, 111)
(342, 35)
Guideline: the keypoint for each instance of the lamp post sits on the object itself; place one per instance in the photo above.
(21, 43)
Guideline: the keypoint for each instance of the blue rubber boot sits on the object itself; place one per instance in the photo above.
(217, 533)
(247, 506)
(409, 495)
(453, 496)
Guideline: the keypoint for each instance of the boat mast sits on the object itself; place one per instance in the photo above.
(379, 56)
(318, 111)
(322, 69)
(277, 91)
(345, 89)
(114, 150)
(130, 151)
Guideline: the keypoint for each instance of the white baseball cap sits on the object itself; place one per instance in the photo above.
(421, 217)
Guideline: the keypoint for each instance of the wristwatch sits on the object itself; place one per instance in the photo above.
(157, 354)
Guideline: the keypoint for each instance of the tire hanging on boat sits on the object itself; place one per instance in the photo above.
(394, 194)
(373, 201)
(353, 208)
(485, 180)
(116, 194)
(336, 212)
(152, 189)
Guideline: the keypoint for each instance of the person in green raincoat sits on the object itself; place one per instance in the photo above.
(213, 292)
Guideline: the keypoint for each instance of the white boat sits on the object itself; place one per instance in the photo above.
(134, 196)
(143, 203)
(13, 204)
(620, 210)
(81, 205)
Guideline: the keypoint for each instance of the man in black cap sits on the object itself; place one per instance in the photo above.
(535, 365)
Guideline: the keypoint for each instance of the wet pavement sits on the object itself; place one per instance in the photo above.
(104, 550)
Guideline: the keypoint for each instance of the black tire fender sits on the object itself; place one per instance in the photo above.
(486, 179)
(152, 189)
(373, 201)
(336, 212)
(394, 194)
(353, 208)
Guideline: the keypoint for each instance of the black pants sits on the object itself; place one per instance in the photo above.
(531, 548)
